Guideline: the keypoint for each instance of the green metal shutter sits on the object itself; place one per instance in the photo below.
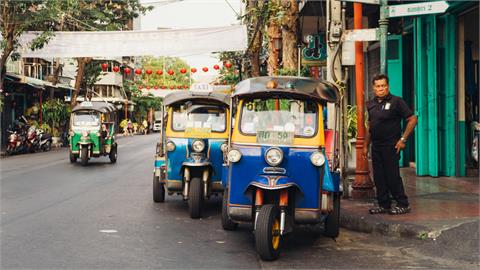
(426, 135)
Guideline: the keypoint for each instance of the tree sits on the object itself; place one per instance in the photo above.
(290, 32)
(20, 16)
(97, 15)
(255, 18)
(230, 75)
(274, 34)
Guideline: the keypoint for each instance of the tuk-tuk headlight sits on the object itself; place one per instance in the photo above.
(224, 147)
(274, 156)
(198, 146)
(170, 146)
(317, 158)
(234, 155)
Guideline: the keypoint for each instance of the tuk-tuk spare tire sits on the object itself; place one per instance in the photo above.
(195, 198)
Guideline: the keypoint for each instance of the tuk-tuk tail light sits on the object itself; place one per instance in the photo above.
(317, 158)
(170, 146)
(234, 155)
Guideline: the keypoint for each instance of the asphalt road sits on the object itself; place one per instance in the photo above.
(57, 215)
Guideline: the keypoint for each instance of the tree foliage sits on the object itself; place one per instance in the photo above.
(164, 64)
(144, 104)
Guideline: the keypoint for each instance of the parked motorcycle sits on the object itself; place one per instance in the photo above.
(16, 143)
(44, 140)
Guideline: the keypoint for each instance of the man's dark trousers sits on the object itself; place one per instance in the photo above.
(386, 175)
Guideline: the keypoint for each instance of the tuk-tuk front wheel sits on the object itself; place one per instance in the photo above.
(158, 190)
(227, 223)
(332, 223)
(195, 198)
(84, 155)
(73, 158)
(267, 233)
(113, 154)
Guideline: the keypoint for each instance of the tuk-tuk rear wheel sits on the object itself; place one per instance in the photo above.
(268, 240)
(195, 198)
(84, 156)
(227, 223)
(73, 158)
(113, 154)
(158, 190)
(332, 223)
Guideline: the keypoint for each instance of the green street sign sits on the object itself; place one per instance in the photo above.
(417, 9)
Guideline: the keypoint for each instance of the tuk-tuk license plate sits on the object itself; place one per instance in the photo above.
(275, 137)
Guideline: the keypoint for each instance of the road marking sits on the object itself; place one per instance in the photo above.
(108, 231)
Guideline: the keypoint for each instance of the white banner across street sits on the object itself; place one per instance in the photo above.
(168, 42)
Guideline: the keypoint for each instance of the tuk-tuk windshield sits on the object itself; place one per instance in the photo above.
(297, 117)
(199, 117)
(90, 119)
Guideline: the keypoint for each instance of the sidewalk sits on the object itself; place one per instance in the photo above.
(438, 205)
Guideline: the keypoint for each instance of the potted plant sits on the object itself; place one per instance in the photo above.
(56, 113)
(351, 118)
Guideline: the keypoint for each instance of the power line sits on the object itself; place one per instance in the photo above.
(236, 13)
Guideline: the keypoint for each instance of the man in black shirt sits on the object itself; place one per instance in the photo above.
(385, 113)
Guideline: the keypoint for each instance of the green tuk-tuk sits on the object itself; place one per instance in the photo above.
(92, 131)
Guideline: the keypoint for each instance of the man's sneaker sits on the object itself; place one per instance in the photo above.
(397, 210)
(378, 210)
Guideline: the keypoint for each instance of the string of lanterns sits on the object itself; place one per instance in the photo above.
(170, 72)
(160, 72)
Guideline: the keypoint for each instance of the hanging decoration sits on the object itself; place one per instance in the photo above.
(216, 67)
(138, 71)
(148, 87)
(155, 87)
(116, 69)
(183, 70)
(186, 86)
(170, 72)
(148, 71)
(205, 69)
(159, 72)
(193, 70)
(228, 65)
(126, 70)
(139, 87)
(172, 87)
(104, 66)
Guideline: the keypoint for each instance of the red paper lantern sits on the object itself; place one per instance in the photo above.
(164, 87)
(148, 87)
(138, 71)
(159, 72)
(126, 70)
(186, 86)
(205, 69)
(170, 72)
(149, 71)
(183, 70)
(228, 65)
(116, 69)
(155, 87)
(179, 87)
(216, 67)
(172, 87)
(193, 70)
(104, 66)
(140, 87)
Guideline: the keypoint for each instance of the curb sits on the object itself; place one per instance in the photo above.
(373, 224)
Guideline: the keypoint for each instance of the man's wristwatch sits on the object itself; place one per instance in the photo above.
(403, 139)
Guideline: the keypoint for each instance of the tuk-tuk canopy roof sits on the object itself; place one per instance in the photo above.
(319, 90)
(200, 96)
(98, 106)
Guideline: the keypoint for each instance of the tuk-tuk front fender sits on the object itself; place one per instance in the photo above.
(273, 182)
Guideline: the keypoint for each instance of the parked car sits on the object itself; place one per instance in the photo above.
(157, 125)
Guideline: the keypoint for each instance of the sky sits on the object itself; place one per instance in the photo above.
(178, 14)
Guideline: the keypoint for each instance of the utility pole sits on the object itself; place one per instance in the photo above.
(383, 29)
(362, 185)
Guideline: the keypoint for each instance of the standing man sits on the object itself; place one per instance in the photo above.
(385, 113)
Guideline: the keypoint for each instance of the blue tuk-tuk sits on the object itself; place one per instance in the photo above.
(278, 172)
(189, 155)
